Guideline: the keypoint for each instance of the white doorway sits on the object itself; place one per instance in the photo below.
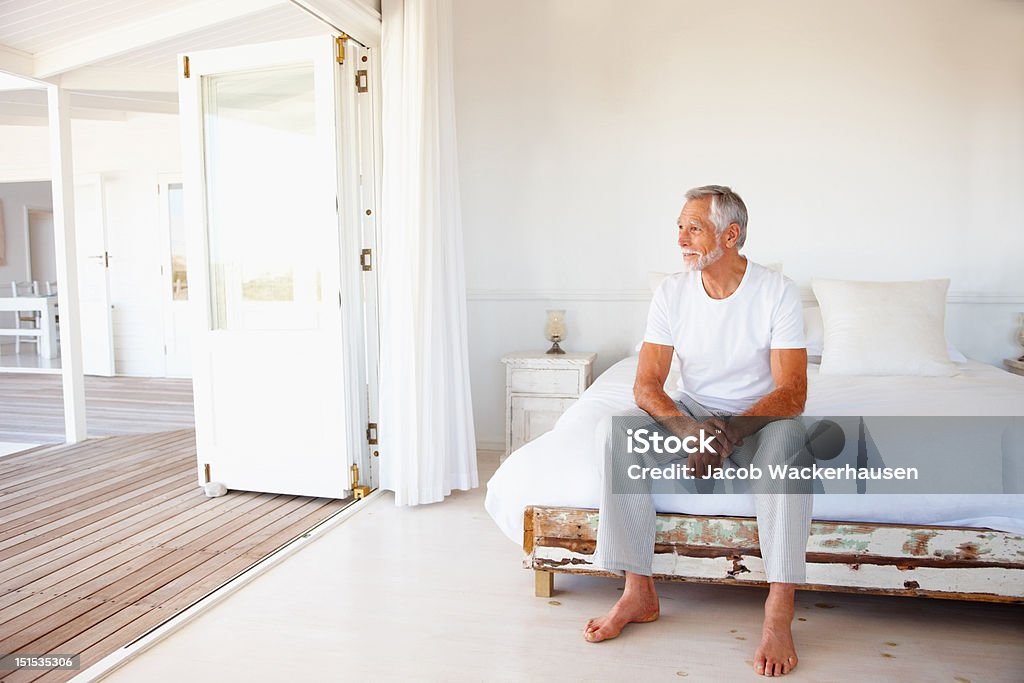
(42, 261)
(271, 158)
(174, 277)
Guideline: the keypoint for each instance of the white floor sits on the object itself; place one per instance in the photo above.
(438, 593)
(26, 361)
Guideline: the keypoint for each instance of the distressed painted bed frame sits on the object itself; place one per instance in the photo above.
(882, 559)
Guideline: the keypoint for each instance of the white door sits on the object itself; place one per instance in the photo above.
(277, 362)
(93, 277)
(174, 278)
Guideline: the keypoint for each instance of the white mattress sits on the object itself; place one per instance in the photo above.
(562, 467)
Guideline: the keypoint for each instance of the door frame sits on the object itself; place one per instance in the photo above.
(164, 181)
(28, 236)
(359, 166)
(368, 106)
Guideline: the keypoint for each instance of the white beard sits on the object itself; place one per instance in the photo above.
(704, 260)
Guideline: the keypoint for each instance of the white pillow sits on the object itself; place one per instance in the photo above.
(814, 334)
(884, 328)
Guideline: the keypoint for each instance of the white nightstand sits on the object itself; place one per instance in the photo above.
(538, 389)
(1015, 366)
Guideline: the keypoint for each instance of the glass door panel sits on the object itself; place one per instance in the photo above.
(267, 236)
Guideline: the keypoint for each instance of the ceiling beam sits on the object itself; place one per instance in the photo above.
(19, 120)
(16, 62)
(173, 23)
(27, 113)
(100, 78)
(10, 82)
(137, 102)
(88, 105)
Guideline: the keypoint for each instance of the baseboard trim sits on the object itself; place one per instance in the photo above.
(628, 295)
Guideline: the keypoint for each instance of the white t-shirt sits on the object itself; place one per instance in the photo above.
(723, 344)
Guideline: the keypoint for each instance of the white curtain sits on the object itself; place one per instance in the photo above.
(426, 415)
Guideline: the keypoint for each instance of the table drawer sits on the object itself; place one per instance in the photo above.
(533, 381)
(532, 416)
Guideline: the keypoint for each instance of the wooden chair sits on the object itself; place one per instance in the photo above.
(25, 319)
(50, 288)
(47, 287)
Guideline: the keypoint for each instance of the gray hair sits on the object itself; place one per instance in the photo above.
(726, 208)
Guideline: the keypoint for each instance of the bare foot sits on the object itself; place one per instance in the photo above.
(638, 605)
(776, 655)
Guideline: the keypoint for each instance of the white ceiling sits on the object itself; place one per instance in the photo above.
(40, 26)
(277, 23)
(107, 49)
(36, 26)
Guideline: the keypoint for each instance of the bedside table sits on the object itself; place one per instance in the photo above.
(1015, 366)
(538, 389)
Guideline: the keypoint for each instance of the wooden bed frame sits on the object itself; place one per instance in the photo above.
(881, 559)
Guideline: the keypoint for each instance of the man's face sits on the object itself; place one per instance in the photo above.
(698, 239)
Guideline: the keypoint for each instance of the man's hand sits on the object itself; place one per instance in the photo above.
(723, 440)
(726, 434)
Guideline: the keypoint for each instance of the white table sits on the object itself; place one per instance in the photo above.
(539, 387)
(46, 305)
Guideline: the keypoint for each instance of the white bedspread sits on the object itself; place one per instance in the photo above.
(562, 467)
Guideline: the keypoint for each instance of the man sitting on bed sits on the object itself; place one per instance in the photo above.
(737, 330)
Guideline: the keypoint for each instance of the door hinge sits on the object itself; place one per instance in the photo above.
(358, 490)
(371, 433)
(340, 42)
(165, 349)
(206, 472)
(366, 259)
(362, 81)
(184, 66)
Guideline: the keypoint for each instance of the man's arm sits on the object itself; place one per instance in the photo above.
(649, 388)
(649, 392)
(789, 369)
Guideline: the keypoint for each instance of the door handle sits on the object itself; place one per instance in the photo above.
(105, 257)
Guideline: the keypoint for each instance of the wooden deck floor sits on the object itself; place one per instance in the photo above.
(32, 408)
(102, 541)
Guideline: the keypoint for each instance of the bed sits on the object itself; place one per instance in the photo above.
(961, 546)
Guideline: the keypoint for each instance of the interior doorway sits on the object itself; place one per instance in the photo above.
(26, 230)
(42, 260)
(174, 277)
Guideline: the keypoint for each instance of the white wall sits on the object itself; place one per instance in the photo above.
(130, 155)
(871, 140)
(15, 197)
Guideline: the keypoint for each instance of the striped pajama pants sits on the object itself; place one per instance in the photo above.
(626, 526)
